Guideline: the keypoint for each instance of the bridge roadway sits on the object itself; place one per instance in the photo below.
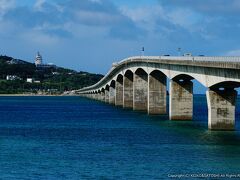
(140, 83)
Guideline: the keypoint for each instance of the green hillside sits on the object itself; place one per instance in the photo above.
(54, 80)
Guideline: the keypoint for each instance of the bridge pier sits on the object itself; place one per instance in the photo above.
(119, 91)
(99, 96)
(102, 96)
(157, 93)
(140, 90)
(112, 93)
(107, 95)
(128, 90)
(181, 100)
(221, 109)
(95, 96)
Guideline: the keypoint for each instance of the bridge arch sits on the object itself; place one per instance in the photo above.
(162, 71)
(140, 70)
(127, 72)
(226, 84)
(182, 77)
(112, 83)
(107, 87)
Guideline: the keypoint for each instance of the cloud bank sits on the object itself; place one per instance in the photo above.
(91, 34)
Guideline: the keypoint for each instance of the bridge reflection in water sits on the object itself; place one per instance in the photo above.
(139, 83)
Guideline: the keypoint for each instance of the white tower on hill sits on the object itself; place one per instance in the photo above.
(38, 60)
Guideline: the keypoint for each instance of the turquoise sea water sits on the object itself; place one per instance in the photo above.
(77, 138)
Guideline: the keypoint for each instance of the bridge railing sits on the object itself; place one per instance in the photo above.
(185, 58)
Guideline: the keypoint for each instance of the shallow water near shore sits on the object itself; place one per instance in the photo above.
(77, 138)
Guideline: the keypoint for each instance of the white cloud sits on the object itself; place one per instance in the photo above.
(146, 17)
(235, 52)
(5, 6)
(185, 18)
(39, 38)
(96, 18)
(39, 5)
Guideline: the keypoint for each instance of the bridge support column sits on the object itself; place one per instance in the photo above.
(221, 109)
(181, 100)
(103, 96)
(99, 96)
(96, 96)
(157, 93)
(112, 93)
(106, 96)
(128, 90)
(119, 91)
(140, 91)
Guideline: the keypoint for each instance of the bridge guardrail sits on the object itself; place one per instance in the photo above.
(186, 58)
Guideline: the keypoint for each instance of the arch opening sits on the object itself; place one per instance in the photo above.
(112, 84)
(107, 87)
(225, 85)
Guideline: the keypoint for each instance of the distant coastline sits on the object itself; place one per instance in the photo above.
(23, 77)
(5, 95)
(1, 95)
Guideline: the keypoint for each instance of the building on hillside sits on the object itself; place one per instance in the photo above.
(29, 80)
(12, 78)
(39, 63)
(38, 60)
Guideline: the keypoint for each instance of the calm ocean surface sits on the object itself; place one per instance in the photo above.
(76, 138)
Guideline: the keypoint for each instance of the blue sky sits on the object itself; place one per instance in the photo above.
(90, 35)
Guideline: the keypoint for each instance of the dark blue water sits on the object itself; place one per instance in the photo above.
(76, 138)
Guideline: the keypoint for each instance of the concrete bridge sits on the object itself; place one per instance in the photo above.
(140, 83)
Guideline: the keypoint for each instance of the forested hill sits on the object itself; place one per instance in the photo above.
(45, 80)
